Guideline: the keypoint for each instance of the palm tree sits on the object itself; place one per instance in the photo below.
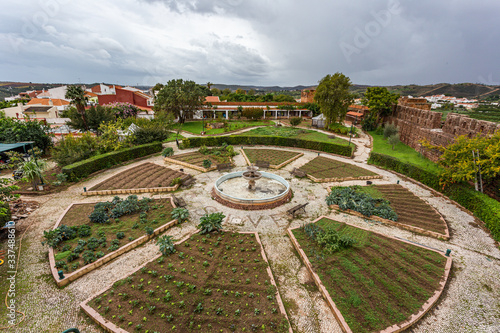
(209, 85)
(77, 96)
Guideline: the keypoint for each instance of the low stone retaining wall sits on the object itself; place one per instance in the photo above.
(336, 312)
(108, 257)
(342, 179)
(257, 206)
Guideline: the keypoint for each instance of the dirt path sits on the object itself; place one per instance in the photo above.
(471, 302)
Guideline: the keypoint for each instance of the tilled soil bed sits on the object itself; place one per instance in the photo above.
(197, 158)
(147, 175)
(325, 168)
(379, 281)
(273, 156)
(213, 283)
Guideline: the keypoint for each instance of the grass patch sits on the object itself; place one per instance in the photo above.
(273, 156)
(377, 282)
(297, 133)
(403, 152)
(196, 127)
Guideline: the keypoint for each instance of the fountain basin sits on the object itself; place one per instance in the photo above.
(270, 191)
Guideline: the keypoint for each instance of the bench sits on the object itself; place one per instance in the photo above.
(298, 173)
(179, 202)
(262, 164)
(294, 210)
(224, 166)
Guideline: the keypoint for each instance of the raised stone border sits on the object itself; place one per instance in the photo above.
(336, 312)
(133, 190)
(273, 166)
(257, 206)
(110, 327)
(187, 165)
(108, 257)
(445, 236)
(342, 179)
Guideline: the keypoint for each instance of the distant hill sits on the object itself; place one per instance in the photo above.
(468, 90)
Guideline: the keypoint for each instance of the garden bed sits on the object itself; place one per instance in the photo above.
(194, 160)
(112, 239)
(380, 283)
(147, 177)
(323, 169)
(213, 283)
(276, 158)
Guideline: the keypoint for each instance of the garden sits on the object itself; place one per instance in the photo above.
(204, 158)
(297, 133)
(214, 281)
(374, 281)
(146, 175)
(275, 157)
(196, 127)
(323, 168)
(89, 231)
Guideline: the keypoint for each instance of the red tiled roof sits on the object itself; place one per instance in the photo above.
(211, 99)
(46, 101)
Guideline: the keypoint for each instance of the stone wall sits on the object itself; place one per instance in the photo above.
(417, 124)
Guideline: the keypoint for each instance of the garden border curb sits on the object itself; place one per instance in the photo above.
(273, 166)
(343, 179)
(133, 190)
(111, 327)
(108, 257)
(391, 329)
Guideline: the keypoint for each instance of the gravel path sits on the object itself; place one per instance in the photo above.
(471, 302)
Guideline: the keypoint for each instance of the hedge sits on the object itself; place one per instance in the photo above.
(268, 141)
(84, 168)
(481, 205)
(5, 214)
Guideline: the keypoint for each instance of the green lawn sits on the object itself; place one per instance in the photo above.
(195, 127)
(299, 133)
(403, 153)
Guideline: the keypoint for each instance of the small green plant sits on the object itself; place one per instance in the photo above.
(120, 235)
(207, 163)
(176, 181)
(149, 231)
(166, 245)
(169, 151)
(211, 222)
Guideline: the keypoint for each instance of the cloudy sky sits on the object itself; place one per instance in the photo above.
(279, 42)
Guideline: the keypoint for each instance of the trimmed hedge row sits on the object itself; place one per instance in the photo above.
(84, 168)
(481, 205)
(268, 141)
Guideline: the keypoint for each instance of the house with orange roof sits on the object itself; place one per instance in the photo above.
(127, 95)
(60, 104)
(91, 97)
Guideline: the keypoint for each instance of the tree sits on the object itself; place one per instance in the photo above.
(313, 107)
(16, 130)
(77, 96)
(32, 171)
(226, 91)
(458, 161)
(295, 121)
(380, 102)
(393, 140)
(179, 97)
(94, 117)
(333, 97)
(215, 92)
(240, 91)
(253, 113)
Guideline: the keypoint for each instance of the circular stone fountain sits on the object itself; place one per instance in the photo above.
(251, 190)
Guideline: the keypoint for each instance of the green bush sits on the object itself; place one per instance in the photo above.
(169, 151)
(238, 140)
(5, 213)
(84, 168)
(481, 205)
(341, 129)
(151, 133)
(390, 130)
(210, 222)
(73, 149)
(207, 164)
(295, 121)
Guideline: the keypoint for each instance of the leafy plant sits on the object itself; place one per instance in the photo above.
(169, 151)
(207, 163)
(120, 235)
(180, 214)
(211, 222)
(166, 245)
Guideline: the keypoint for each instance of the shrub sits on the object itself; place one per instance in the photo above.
(5, 213)
(180, 214)
(72, 149)
(175, 181)
(166, 245)
(86, 167)
(210, 222)
(393, 140)
(207, 164)
(390, 130)
(295, 121)
(253, 113)
(169, 151)
(151, 133)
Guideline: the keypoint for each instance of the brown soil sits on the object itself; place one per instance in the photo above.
(411, 209)
(378, 282)
(273, 156)
(196, 158)
(49, 178)
(206, 263)
(323, 167)
(146, 175)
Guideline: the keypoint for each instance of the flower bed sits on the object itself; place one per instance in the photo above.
(380, 283)
(323, 169)
(193, 160)
(276, 158)
(84, 243)
(144, 176)
(212, 283)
